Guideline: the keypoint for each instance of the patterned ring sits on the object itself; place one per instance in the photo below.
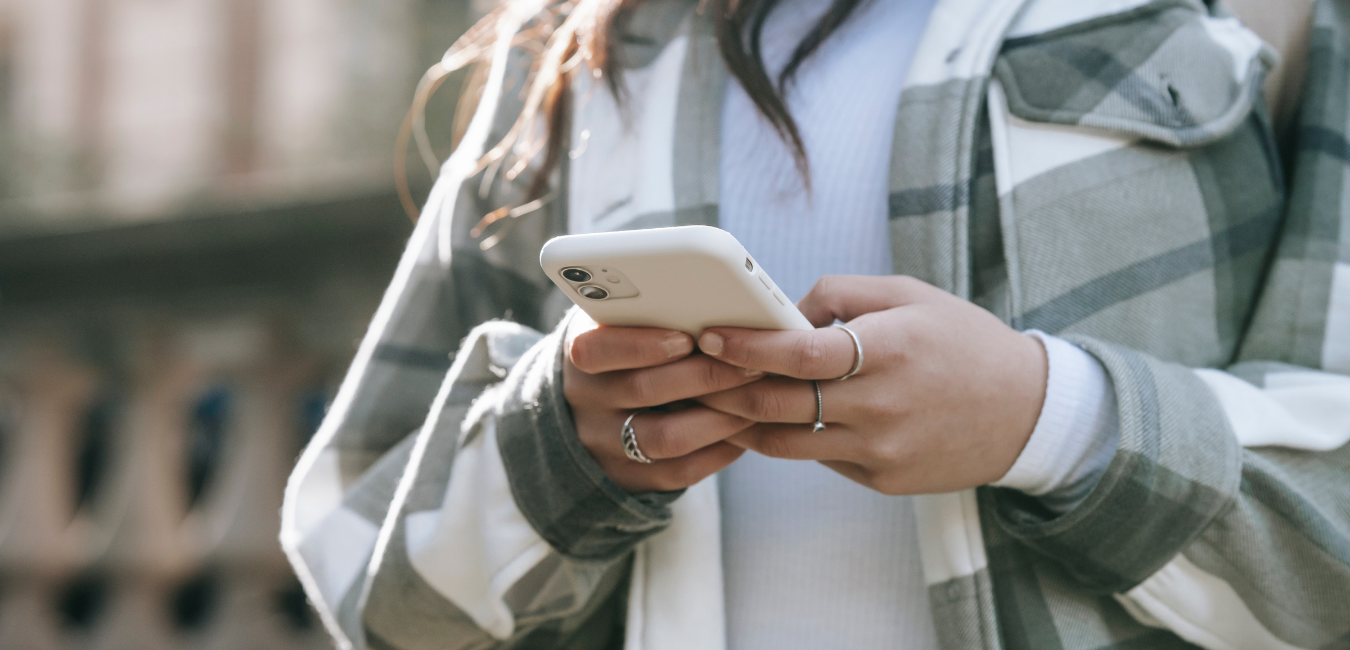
(857, 351)
(630, 446)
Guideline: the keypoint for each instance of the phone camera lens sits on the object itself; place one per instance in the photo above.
(576, 275)
(593, 292)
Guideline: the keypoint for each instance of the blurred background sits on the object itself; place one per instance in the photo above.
(197, 220)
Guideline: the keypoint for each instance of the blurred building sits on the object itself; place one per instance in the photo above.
(197, 219)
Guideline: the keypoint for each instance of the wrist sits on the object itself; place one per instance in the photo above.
(1032, 384)
(1075, 430)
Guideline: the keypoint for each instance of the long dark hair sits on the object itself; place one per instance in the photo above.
(564, 34)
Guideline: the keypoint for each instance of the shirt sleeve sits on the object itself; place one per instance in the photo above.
(1076, 434)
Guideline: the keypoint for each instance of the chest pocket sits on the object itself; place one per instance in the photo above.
(1139, 187)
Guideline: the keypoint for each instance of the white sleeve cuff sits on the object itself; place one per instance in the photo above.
(1076, 434)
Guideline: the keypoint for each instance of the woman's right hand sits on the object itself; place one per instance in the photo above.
(611, 372)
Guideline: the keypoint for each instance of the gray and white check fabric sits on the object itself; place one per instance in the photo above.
(1102, 170)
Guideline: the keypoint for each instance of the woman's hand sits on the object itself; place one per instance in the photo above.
(611, 372)
(946, 398)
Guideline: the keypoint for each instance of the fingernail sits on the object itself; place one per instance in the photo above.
(711, 343)
(677, 344)
(751, 372)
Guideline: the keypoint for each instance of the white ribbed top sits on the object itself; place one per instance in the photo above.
(813, 560)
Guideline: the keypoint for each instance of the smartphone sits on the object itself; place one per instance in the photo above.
(687, 278)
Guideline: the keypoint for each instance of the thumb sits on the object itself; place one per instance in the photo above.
(846, 297)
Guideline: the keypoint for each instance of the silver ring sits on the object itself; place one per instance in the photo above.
(857, 349)
(630, 446)
(820, 410)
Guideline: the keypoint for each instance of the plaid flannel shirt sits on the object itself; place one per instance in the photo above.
(1099, 169)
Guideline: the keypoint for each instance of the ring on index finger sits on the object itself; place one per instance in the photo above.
(857, 350)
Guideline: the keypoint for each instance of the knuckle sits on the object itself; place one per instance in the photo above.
(583, 354)
(580, 392)
(774, 446)
(639, 388)
(659, 439)
(830, 289)
(895, 344)
(826, 284)
(910, 285)
(630, 348)
(762, 405)
(819, 292)
(889, 451)
(809, 356)
(712, 377)
(874, 412)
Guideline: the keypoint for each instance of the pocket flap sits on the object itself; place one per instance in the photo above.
(1166, 72)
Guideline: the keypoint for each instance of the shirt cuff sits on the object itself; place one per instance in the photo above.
(1076, 434)
(557, 485)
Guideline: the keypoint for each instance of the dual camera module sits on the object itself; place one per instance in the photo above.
(587, 290)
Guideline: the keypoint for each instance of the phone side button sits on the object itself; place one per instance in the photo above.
(772, 289)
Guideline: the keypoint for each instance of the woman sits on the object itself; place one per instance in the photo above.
(1098, 335)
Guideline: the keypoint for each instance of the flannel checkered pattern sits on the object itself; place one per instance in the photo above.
(1114, 181)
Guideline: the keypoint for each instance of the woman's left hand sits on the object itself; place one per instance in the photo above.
(946, 398)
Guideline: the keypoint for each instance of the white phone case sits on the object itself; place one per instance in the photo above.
(687, 278)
